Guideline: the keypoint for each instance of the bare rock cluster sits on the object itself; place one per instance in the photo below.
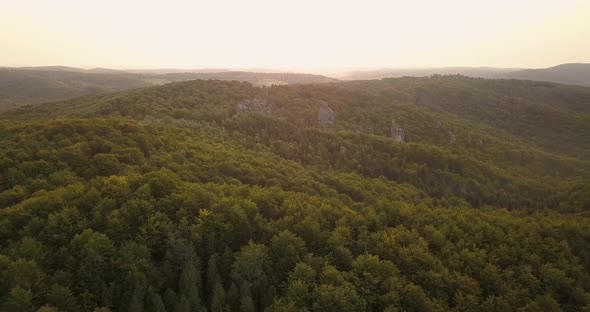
(452, 138)
(366, 129)
(397, 132)
(326, 116)
(442, 130)
(253, 105)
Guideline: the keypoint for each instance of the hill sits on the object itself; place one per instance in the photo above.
(31, 85)
(57, 68)
(576, 74)
(556, 116)
(18, 87)
(225, 196)
(477, 72)
(258, 79)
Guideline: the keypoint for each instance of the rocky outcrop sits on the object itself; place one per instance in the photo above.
(452, 138)
(326, 116)
(255, 105)
(366, 129)
(396, 131)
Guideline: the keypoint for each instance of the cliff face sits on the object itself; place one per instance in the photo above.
(326, 116)
(396, 131)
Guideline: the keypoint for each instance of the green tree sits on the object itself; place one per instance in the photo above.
(247, 304)
(28, 248)
(303, 272)
(218, 303)
(233, 297)
(414, 299)
(90, 257)
(544, 304)
(106, 164)
(251, 267)
(337, 298)
(285, 251)
(170, 299)
(25, 274)
(19, 300)
(213, 277)
(189, 286)
(369, 276)
(299, 293)
(61, 298)
(183, 305)
(153, 302)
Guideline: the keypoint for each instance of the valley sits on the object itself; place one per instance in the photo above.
(344, 196)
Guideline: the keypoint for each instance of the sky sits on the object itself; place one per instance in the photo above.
(301, 35)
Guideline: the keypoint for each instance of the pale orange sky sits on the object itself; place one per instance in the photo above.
(303, 35)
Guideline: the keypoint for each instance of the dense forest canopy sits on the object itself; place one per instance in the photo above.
(215, 195)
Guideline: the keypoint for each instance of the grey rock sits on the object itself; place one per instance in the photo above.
(396, 131)
(366, 129)
(452, 138)
(326, 116)
(255, 105)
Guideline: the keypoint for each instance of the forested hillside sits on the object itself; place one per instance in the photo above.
(224, 196)
(578, 74)
(571, 73)
(479, 72)
(20, 86)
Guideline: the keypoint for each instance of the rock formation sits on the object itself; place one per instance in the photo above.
(452, 138)
(255, 105)
(366, 129)
(326, 116)
(396, 131)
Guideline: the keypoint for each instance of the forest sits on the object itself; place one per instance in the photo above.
(29, 85)
(176, 198)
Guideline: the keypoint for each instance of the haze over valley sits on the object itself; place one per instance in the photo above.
(29, 85)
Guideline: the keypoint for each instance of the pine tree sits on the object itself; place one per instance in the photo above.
(183, 305)
(188, 286)
(62, 298)
(233, 297)
(153, 302)
(136, 304)
(212, 275)
(19, 300)
(247, 304)
(170, 299)
(218, 299)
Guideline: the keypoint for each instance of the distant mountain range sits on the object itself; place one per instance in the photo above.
(577, 74)
(483, 72)
(29, 85)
